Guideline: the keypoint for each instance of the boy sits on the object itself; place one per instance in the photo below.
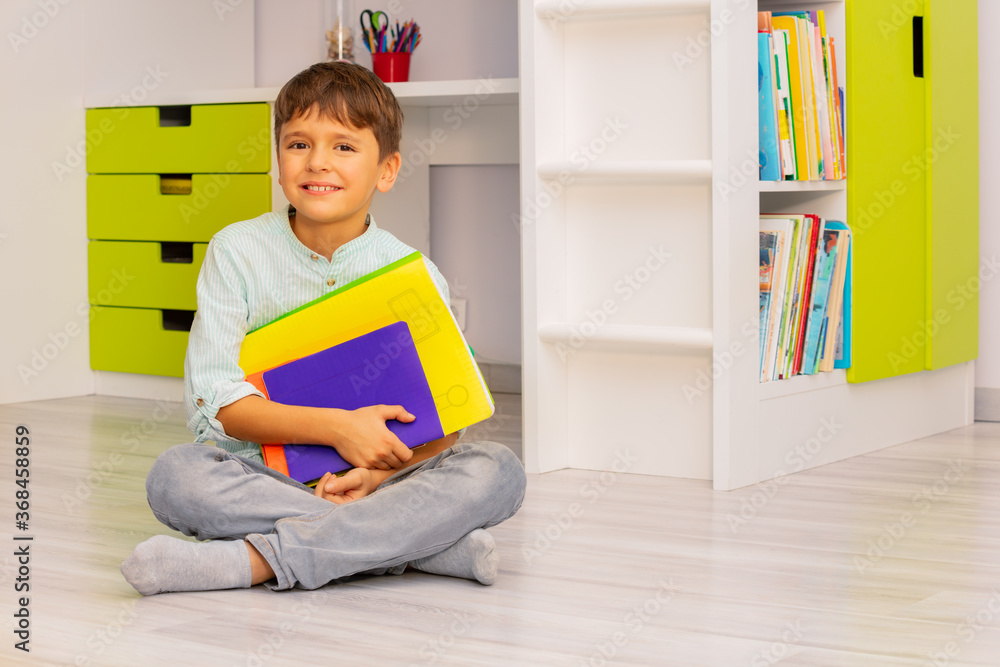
(337, 128)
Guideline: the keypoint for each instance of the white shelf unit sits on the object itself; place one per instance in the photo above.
(409, 93)
(612, 330)
(671, 373)
(801, 186)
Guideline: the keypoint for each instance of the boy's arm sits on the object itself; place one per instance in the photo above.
(360, 436)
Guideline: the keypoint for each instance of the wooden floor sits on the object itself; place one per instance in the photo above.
(887, 559)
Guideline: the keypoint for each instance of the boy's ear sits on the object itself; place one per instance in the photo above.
(390, 170)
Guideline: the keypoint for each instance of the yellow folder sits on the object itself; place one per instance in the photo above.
(401, 291)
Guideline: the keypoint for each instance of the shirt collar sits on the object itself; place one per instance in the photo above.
(366, 239)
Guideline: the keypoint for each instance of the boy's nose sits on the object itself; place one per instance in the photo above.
(319, 161)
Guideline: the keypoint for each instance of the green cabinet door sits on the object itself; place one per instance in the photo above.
(951, 160)
(886, 194)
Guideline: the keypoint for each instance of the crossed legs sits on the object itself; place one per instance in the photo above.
(260, 523)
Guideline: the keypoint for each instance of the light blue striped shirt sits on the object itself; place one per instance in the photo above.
(254, 272)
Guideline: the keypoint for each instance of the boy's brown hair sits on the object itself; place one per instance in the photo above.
(348, 93)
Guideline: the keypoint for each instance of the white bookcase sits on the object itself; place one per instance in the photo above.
(638, 122)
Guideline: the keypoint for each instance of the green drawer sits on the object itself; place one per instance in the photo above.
(144, 275)
(138, 340)
(230, 138)
(132, 208)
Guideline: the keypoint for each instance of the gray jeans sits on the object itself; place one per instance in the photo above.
(209, 493)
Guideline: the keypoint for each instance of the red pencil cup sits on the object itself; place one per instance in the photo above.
(392, 65)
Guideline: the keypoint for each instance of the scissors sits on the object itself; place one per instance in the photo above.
(378, 22)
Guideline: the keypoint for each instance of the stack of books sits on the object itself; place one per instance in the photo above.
(801, 104)
(805, 296)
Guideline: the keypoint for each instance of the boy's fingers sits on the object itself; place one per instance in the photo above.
(321, 485)
(402, 452)
(397, 412)
(392, 460)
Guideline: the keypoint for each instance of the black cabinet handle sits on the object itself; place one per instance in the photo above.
(918, 46)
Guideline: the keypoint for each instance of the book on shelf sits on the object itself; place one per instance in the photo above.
(837, 347)
(773, 251)
(770, 167)
(805, 275)
(807, 104)
(826, 257)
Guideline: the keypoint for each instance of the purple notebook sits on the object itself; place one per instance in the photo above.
(381, 367)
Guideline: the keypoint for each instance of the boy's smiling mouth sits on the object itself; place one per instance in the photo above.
(319, 188)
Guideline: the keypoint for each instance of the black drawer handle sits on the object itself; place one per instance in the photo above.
(175, 116)
(178, 320)
(177, 252)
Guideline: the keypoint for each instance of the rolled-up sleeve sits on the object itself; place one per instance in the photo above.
(213, 378)
(439, 281)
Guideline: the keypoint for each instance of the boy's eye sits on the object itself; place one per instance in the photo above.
(344, 148)
(297, 144)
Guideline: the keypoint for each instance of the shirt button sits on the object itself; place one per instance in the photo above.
(330, 282)
(200, 402)
(315, 256)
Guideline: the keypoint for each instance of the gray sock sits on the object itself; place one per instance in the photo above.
(165, 564)
(472, 557)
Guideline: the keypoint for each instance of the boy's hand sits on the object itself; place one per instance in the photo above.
(366, 442)
(353, 485)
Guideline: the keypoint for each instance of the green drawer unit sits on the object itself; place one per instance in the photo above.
(131, 207)
(143, 274)
(138, 340)
(209, 138)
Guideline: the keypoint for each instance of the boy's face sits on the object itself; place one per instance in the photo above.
(329, 172)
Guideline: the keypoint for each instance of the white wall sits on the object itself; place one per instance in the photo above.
(478, 249)
(462, 39)
(43, 241)
(173, 46)
(988, 364)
